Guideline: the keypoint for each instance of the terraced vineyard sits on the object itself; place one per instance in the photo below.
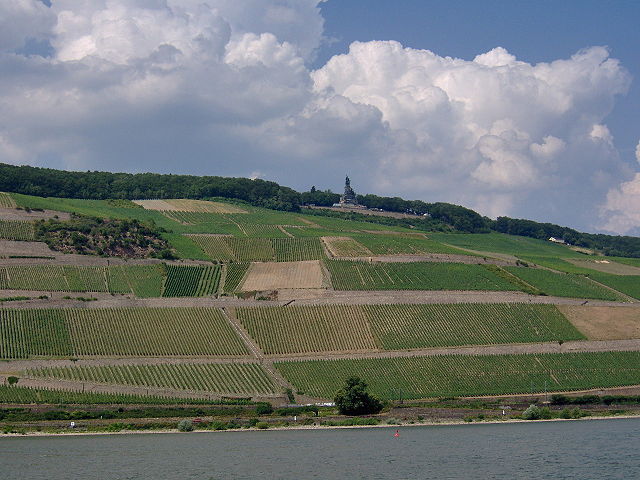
(191, 281)
(225, 248)
(29, 395)
(152, 331)
(312, 232)
(306, 329)
(297, 249)
(464, 375)
(235, 274)
(420, 326)
(29, 333)
(346, 247)
(17, 230)
(347, 275)
(404, 244)
(220, 378)
(262, 231)
(563, 284)
(6, 201)
(38, 277)
(116, 331)
(313, 329)
(143, 280)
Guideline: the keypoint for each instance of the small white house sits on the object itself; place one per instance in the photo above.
(556, 240)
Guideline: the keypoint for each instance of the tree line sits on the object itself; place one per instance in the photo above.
(47, 182)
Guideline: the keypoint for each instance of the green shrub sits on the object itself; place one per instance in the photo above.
(218, 426)
(185, 425)
(264, 409)
(290, 396)
(532, 413)
(262, 425)
(572, 413)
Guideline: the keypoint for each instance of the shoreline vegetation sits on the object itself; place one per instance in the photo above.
(72, 432)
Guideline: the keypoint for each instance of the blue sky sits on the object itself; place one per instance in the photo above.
(518, 108)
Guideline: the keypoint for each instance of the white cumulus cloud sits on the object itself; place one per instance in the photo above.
(621, 211)
(496, 133)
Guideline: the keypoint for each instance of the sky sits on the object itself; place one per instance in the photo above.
(509, 107)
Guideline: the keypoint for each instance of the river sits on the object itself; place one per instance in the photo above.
(598, 449)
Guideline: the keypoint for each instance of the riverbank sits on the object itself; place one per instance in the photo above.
(70, 432)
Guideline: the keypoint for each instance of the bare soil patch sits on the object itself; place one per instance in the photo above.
(606, 266)
(604, 323)
(277, 275)
(11, 247)
(24, 215)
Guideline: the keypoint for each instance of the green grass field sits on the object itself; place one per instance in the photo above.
(141, 331)
(502, 243)
(218, 378)
(339, 225)
(184, 246)
(464, 375)
(634, 262)
(556, 263)
(563, 284)
(627, 284)
(347, 275)
(334, 328)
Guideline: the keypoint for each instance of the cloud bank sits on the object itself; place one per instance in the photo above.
(225, 87)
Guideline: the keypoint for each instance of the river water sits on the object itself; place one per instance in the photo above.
(603, 449)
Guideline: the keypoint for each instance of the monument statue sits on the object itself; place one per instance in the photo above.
(349, 198)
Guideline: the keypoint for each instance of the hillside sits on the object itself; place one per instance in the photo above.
(439, 216)
(282, 306)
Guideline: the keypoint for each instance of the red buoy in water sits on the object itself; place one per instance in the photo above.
(397, 434)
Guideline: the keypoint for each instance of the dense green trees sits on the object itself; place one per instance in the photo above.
(46, 182)
(353, 399)
(620, 246)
